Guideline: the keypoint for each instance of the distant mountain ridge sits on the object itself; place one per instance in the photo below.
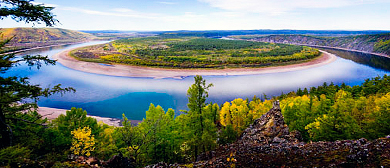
(223, 33)
(372, 43)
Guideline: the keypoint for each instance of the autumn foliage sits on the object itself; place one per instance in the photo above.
(83, 142)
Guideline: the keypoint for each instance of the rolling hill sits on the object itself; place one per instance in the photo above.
(23, 38)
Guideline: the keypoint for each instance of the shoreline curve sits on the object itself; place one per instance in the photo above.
(160, 73)
(53, 113)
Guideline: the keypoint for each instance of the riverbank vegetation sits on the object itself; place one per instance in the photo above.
(324, 113)
(194, 52)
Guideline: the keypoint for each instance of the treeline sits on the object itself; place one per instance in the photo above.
(332, 112)
(215, 44)
(323, 113)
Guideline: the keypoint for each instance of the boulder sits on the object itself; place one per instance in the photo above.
(120, 161)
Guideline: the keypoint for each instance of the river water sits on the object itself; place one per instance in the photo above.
(110, 96)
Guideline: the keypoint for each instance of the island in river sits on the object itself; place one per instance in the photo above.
(167, 57)
(139, 71)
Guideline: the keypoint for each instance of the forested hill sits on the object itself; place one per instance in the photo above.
(34, 37)
(374, 43)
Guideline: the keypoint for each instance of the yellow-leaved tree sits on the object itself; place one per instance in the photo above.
(235, 114)
(83, 141)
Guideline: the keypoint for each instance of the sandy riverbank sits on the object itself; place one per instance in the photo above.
(53, 113)
(136, 71)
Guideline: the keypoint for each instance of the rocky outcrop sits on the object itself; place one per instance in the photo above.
(268, 143)
(270, 128)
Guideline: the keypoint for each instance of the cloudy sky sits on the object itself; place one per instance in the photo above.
(218, 14)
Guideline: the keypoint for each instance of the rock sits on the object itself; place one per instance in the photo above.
(93, 161)
(361, 141)
(120, 161)
(269, 126)
(163, 165)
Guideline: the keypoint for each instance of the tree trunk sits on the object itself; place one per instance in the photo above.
(6, 139)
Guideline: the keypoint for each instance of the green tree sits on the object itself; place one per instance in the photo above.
(159, 142)
(197, 94)
(130, 139)
(105, 146)
(24, 10)
(339, 123)
(382, 116)
(15, 91)
(74, 119)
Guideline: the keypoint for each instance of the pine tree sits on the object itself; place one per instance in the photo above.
(14, 91)
(197, 94)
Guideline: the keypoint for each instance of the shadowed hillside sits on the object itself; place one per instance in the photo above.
(375, 43)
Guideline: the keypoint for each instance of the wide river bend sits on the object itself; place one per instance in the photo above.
(110, 96)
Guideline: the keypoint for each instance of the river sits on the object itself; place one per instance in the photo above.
(110, 96)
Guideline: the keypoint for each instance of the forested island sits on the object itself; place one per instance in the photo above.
(194, 52)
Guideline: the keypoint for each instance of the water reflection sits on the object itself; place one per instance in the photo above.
(374, 61)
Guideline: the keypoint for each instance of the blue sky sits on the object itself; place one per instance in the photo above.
(151, 15)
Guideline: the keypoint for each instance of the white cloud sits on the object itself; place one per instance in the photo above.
(275, 7)
(122, 10)
(119, 12)
(187, 17)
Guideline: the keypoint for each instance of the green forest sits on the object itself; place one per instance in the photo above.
(324, 113)
(194, 52)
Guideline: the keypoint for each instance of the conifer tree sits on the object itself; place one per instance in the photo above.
(14, 91)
